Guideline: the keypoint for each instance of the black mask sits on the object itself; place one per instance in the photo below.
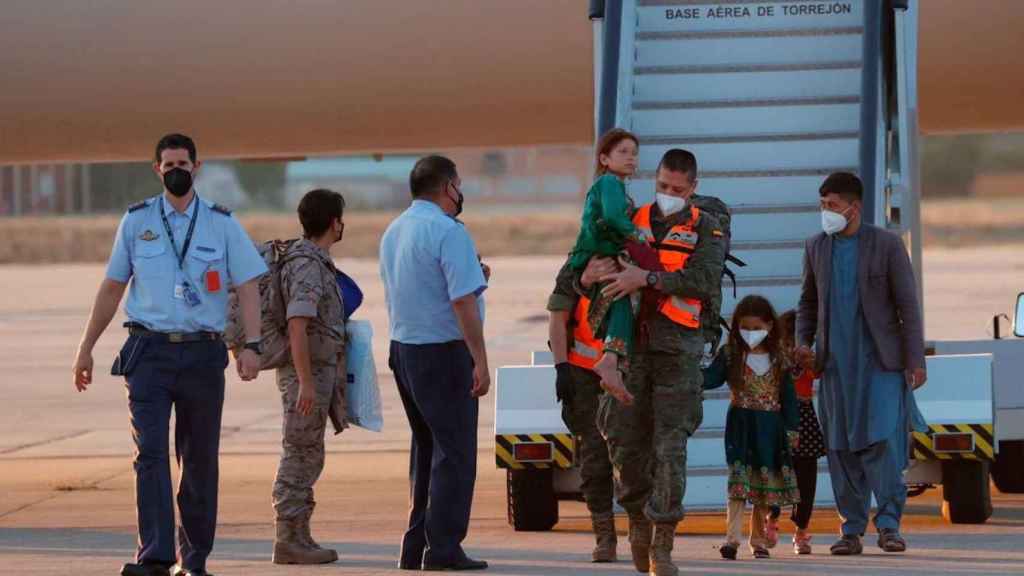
(458, 203)
(178, 181)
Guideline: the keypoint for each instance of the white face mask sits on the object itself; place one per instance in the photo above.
(669, 205)
(753, 338)
(759, 363)
(833, 222)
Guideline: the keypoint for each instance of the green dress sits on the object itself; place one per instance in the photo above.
(762, 421)
(606, 226)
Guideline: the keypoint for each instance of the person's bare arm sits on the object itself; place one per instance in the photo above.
(558, 335)
(249, 300)
(468, 316)
(108, 297)
(298, 342)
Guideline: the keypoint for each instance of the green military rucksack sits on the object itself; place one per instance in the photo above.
(273, 311)
(711, 321)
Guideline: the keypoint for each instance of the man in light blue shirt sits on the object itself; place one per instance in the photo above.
(181, 254)
(433, 280)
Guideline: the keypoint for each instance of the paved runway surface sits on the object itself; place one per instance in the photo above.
(66, 502)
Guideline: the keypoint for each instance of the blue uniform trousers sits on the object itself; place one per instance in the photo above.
(877, 469)
(434, 382)
(190, 378)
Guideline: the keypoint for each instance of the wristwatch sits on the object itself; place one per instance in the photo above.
(254, 346)
(652, 279)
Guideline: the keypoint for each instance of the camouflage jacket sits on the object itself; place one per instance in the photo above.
(701, 278)
(309, 289)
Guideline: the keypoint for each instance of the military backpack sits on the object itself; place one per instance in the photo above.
(274, 345)
(711, 321)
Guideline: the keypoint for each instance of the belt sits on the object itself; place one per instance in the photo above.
(173, 337)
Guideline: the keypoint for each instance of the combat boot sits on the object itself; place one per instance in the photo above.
(640, 542)
(661, 550)
(607, 540)
(289, 549)
(305, 537)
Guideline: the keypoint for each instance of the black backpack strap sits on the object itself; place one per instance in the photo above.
(735, 260)
(732, 276)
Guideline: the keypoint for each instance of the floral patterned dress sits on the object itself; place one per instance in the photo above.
(760, 428)
(605, 229)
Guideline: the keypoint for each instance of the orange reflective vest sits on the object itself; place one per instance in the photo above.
(586, 350)
(673, 252)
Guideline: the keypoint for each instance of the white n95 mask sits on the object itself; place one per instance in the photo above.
(753, 338)
(669, 205)
(832, 222)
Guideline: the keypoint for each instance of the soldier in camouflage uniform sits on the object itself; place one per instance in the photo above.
(579, 390)
(314, 379)
(647, 440)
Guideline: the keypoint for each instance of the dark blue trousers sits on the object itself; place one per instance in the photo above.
(190, 378)
(435, 383)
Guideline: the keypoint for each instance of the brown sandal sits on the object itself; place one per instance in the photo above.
(847, 546)
(890, 540)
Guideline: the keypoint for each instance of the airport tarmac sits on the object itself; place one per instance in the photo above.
(66, 488)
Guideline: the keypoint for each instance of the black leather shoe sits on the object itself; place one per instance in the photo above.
(144, 570)
(465, 563)
(410, 558)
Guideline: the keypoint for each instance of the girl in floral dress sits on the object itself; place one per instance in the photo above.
(761, 427)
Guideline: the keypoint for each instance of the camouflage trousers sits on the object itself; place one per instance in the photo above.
(647, 441)
(302, 442)
(580, 416)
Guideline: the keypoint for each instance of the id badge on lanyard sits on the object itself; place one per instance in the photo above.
(183, 289)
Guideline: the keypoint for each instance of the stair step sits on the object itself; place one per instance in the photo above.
(778, 33)
(760, 157)
(744, 103)
(784, 245)
(774, 208)
(853, 63)
(759, 85)
(781, 173)
(749, 51)
(767, 282)
(738, 138)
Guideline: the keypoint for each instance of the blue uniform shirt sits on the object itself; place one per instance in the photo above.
(427, 261)
(220, 250)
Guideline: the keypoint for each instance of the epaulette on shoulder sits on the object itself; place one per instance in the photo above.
(138, 206)
(221, 209)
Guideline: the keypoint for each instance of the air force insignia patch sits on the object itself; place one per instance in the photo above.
(148, 236)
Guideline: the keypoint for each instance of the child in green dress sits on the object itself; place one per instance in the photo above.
(605, 230)
(762, 425)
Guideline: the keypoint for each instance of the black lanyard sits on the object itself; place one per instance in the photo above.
(188, 235)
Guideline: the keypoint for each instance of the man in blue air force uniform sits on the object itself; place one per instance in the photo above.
(181, 254)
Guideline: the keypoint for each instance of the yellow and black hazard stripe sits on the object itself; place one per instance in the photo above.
(984, 442)
(562, 450)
